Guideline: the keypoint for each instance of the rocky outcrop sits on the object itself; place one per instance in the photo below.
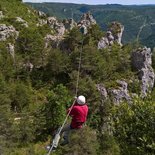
(117, 29)
(113, 35)
(86, 21)
(52, 21)
(7, 32)
(60, 29)
(69, 24)
(23, 22)
(116, 94)
(55, 39)
(121, 93)
(66, 25)
(142, 62)
(57, 26)
(106, 41)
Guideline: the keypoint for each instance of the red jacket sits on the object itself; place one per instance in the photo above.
(79, 115)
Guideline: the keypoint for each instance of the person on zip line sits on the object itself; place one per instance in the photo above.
(79, 113)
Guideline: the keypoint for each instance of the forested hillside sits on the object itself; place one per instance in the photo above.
(39, 68)
(139, 21)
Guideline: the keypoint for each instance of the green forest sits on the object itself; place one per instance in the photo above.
(138, 19)
(38, 84)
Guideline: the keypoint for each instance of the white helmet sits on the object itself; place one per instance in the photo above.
(81, 100)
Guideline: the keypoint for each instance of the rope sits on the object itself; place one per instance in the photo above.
(76, 92)
(79, 68)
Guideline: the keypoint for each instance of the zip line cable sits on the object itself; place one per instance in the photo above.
(79, 68)
(76, 92)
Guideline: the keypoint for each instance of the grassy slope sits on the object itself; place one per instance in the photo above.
(15, 8)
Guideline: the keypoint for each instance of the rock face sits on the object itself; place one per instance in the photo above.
(142, 62)
(113, 35)
(117, 95)
(7, 31)
(23, 22)
(120, 93)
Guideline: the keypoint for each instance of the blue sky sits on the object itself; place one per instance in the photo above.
(125, 2)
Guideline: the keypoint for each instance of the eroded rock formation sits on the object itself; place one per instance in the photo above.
(86, 21)
(142, 62)
(113, 35)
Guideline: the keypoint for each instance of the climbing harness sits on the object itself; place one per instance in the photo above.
(57, 136)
